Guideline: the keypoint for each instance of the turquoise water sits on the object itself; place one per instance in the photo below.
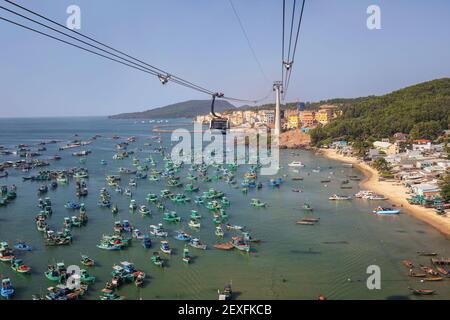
(292, 262)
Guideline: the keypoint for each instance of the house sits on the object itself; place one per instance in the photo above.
(293, 122)
(401, 137)
(426, 189)
(323, 116)
(374, 154)
(386, 147)
(307, 118)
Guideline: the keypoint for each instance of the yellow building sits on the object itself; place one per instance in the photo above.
(293, 122)
(323, 116)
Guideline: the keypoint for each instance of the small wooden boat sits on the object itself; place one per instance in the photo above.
(426, 254)
(417, 275)
(433, 279)
(224, 246)
(440, 261)
(305, 223)
(86, 261)
(422, 292)
(408, 264)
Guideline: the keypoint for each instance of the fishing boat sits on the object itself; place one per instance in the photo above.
(137, 234)
(186, 256)
(234, 227)
(387, 211)
(156, 259)
(72, 205)
(338, 197)
(85, 277)
(258, 203)
(86, 261)
(127, 227)
(408, 264)
(219, 231)
(226, 293)
(43, 189)
(191, 188)
(305, 223)
(106, 245)
(296, 164)
(182, 236)
(422, 292)
(196, 243)
(56, 272)
(111, 296)
(7, 290)
(6, 253)
(171, 216)
(199, 200)
(22, 246)
(195, 214)
(240, 244)
(224, 246)
(165, 248)
(158, 230)
(427, 254)
(151, 198)
(194, 223)
(133, 205)
(248, 238)
(18, 266)
(435, 278)
(146, 241)
(144, 210)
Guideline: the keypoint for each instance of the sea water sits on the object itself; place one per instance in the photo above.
(291, 262)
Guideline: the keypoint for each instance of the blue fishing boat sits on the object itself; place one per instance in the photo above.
(182, 236)
(22, 246)
(146, 241)
(387, 211)
(72, 205)
(7, 290)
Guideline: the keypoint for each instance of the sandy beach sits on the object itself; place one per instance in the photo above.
(395, 192)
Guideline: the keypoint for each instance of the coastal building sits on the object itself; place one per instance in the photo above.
(426, 189)
(268, 117)
(294, 122)
(307, 118)
(323, 116)
(386, 147)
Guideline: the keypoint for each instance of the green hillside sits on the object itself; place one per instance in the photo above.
(422, 110)
(186, 109)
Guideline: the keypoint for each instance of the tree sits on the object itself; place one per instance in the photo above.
(444, 184)
(381, 165)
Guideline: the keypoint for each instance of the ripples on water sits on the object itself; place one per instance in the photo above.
(292, 262)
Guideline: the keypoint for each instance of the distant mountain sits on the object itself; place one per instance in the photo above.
(186, 109)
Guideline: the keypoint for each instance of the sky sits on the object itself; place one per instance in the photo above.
(201, 41)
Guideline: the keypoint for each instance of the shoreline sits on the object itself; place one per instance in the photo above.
(395, 193)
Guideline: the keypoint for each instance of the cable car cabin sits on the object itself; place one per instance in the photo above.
(219, 124)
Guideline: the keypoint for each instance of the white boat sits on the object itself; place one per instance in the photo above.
(338, 197)
(296, 164)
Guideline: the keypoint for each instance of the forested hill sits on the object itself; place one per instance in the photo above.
(186, 109)
(422, 110)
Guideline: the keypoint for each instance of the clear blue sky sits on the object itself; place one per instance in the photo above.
(201, 41)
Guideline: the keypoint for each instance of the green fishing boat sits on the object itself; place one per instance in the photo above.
(171, 216)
